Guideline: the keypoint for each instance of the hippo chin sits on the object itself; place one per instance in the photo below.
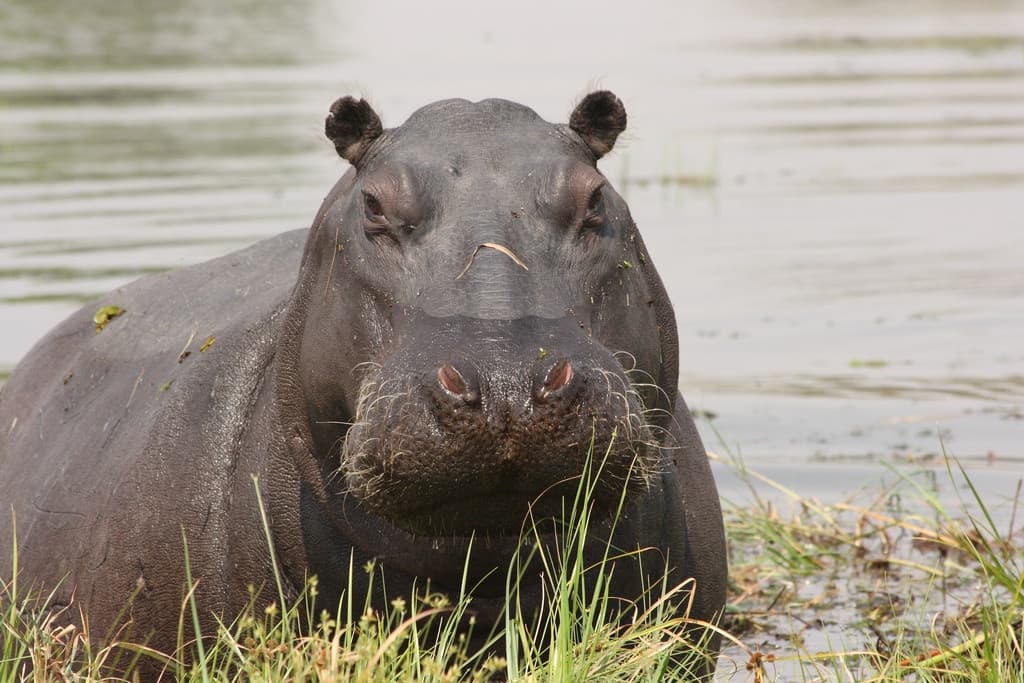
(470, 325)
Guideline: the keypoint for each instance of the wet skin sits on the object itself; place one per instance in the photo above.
(474, 313)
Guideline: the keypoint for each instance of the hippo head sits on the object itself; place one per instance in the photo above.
(480, 315)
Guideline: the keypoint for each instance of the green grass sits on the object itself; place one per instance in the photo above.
(892, 588)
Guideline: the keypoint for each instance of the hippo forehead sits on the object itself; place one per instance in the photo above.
(460, 175)
(457, 130)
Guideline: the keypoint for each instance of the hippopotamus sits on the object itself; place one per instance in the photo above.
(470, 319)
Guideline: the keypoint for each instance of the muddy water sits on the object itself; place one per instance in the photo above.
(834, 191)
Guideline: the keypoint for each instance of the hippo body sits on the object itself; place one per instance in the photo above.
(111, 446)
(471, 312)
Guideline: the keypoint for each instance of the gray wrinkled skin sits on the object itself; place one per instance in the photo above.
(395, 386)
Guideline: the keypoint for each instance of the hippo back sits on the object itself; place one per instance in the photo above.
(116, 441)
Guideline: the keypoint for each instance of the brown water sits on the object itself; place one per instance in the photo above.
(834, 191)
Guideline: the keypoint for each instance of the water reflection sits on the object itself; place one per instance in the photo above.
(108, 34)
(827, 183)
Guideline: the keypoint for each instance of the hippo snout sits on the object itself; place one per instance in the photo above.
(477, 441)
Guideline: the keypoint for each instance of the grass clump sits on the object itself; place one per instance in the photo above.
(890, 585)
(579, 634)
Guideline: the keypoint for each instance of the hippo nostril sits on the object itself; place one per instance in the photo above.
(558, 377)
(451, 379)
(455, 383)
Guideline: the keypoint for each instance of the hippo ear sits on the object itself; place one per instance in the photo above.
(599, 119)
(352, 125)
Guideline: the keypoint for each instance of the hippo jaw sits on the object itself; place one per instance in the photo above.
(490, 458)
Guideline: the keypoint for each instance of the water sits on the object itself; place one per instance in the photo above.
(833, 191)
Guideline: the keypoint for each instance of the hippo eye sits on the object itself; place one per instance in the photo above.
(373, 210)
(595, 209)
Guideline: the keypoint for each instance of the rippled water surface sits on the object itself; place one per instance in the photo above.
(833, 191)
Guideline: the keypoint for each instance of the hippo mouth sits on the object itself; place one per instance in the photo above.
(423, 506)
(492, 512)
(435, 471)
